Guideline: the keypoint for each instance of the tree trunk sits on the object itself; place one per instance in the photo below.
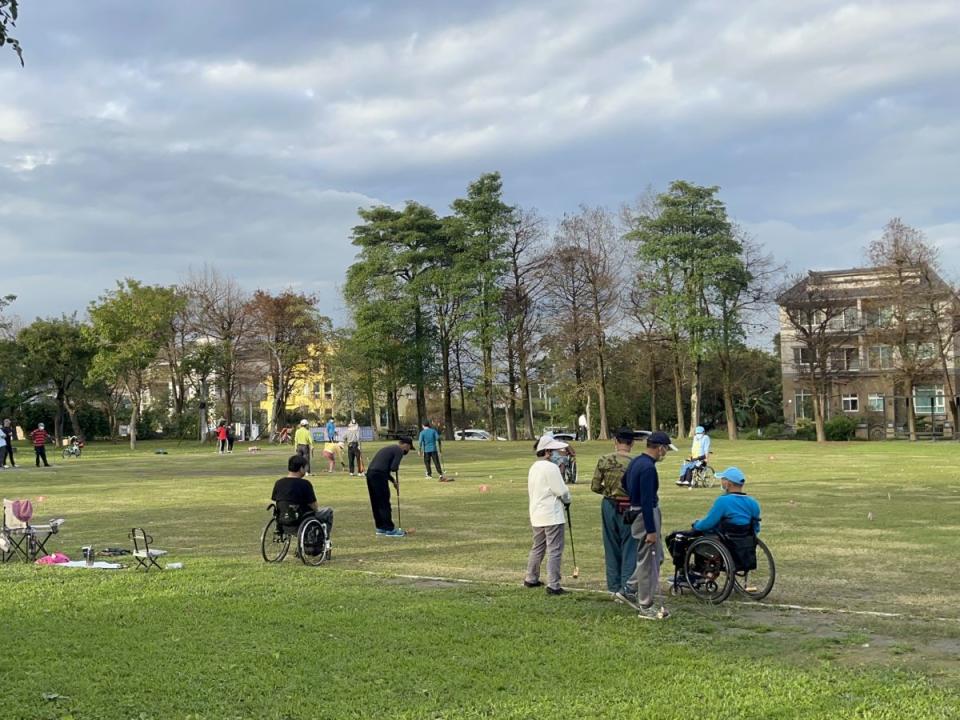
(134, 418)
(818, 416)
(911, 415)
(602, 402)
(695, 378)
(728, 397)
(463, 396)
(508, 412)
(511, 409)
(447, 387)
(204, 399)
(72, 412)
(653, 395)
(488, 387)
(526, 402)
(678, 394)
(588, 413)
(58, 418)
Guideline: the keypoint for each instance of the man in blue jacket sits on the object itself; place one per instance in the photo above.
(642, 485)
(429, 447)
(734, 507)
(331, 430)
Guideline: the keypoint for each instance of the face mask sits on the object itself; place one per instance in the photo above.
(405, 452)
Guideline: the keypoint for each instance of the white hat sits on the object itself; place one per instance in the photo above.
(549, 442)
(304, 422)
(40, 425)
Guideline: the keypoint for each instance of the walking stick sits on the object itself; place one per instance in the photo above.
(573, 549)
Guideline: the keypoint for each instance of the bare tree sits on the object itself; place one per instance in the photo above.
(222, 317)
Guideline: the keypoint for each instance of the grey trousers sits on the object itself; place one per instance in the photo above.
(645, 580)
(547, 540)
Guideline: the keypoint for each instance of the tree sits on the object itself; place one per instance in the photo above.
(219, 309)
(523, 286)
(290, 330)
(592, 238)
(130, 325)
(812, 312)
(59, 352)
(690, 233)
(918, 310)
(8, 21)
(487, 220)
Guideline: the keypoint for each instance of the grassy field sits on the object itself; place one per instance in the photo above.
(862, 623)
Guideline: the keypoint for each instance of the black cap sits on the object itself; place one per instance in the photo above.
(625, 435)
(405, 440)
(659, 438)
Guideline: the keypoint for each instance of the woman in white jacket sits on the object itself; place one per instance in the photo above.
(548, 496)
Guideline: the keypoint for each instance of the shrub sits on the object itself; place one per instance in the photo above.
(806, 430)
(840, 428)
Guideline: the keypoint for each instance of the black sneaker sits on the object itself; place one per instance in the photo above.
(527, 583)
(557, 591)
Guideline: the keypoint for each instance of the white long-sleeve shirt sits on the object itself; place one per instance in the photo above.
(547, 494)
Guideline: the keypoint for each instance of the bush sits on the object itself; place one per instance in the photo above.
(840, 428)
(806, 430)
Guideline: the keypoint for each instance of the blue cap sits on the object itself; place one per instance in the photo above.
(698, 430)
(732, 474)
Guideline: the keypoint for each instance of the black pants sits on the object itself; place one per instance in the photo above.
(230, 440)
(378, 485)
(41, 452)
(7, 454)
(304, 452)
(353, 456)
(436, 460)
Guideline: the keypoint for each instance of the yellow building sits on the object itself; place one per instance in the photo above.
(312, 394)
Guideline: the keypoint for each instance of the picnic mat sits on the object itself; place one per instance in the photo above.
(98, 565)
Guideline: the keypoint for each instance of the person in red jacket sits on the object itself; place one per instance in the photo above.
(222, 436)
(40, 437)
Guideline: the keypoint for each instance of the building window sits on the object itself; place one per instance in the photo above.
(327, 390)
(851, 318)
(878, 317)
(880, 357)
(928, 400)
(925, 351)
(875, 402)
(803, 404)
(845, 359)
(316, 390)
(851, 403)
(802, 355)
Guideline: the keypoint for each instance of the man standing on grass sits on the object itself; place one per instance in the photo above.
(7, 430)
(429, 442)
(548, 496)
(352, 438)
(619, 545)
(40, 438)
(331, 430)
(386, 461)
(303, 441)
(642, 484)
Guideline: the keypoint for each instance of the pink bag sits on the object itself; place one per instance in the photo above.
(55, 559)
(23, 510)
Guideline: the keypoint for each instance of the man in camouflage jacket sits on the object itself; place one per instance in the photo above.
(619, 545)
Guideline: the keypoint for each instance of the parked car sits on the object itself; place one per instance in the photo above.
(471, 434)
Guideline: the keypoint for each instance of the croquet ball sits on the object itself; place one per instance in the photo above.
(772, 457)
(484, 488)
(411, 531)
(491, 477)
(41, 498)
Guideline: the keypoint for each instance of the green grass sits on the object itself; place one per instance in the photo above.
(230, 636)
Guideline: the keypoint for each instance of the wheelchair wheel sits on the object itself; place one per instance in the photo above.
(274, 544)
(571, 474)
(708, 569)
(757, 584)
(311, 527)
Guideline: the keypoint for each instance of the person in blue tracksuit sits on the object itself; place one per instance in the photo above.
(733, 507)
(429, 447)
(699, 454)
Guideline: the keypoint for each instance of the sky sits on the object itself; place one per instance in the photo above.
(146, 139)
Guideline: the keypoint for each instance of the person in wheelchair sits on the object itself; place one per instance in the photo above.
(734, 512)
(564, 460)
(699, 452)
(296, 499)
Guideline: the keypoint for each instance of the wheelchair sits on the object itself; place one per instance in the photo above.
(568, 471)
(312, 536)
(702, 476)
(714, 565)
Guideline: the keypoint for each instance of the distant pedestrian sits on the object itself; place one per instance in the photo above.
(8, 436)
(582, 427)
(547, 497)
(3, 451)
(352, 438)
(331, 430)
(231, 437)
(303, 441)
(40, 438)
(429, 447)
(221, 433)
(386, 461)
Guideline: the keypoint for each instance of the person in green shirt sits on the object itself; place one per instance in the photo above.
(619, 545)
(304, 442)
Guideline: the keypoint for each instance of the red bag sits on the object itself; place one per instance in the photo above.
(23, 510)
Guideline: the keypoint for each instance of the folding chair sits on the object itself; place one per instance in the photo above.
(142, 552)
(22, 539)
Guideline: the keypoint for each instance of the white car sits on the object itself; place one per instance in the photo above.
(471, 434)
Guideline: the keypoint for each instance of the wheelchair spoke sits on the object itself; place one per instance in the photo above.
(757, 583)
(273, 542)
(708, 569)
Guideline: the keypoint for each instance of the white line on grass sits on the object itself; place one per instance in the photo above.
(777, 606)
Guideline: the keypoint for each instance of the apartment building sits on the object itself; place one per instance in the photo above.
(868, 342)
